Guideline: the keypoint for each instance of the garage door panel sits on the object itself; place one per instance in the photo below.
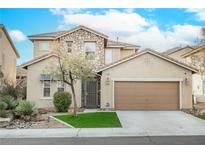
(142, 106)
(146, 95)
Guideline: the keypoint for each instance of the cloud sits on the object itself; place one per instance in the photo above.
(131, 27)
(154, 38)
(110, 21)
(17, 35)
(200, 13)
(60, 11)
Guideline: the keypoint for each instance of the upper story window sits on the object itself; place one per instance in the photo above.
(44, 46)
(69, 46)
(90, 49)
(61, 86)
(108, 56)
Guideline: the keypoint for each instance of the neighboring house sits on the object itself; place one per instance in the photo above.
(21, 77)
(186, 55)
(8, 56)
(177, 52)
(39, 87)
(194, 57)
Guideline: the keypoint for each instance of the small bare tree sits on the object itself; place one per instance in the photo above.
(198, 61)
(71, 67)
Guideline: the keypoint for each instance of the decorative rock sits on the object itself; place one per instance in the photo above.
(4, 124)
(202, 112)
(5, 120)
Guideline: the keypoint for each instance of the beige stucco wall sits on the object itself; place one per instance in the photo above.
(9, 65)
(119, 53)
(178, 55)
(126, 52)
(35, 86)
(37, 52)
(146, 66)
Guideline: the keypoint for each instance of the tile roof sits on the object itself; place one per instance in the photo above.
(175, 49)
(21, 71)
(199, 48)
(35, 60)
(55, 35)
(112, 43)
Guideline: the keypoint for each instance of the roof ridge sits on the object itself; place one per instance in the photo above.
(194, 50)
(58, 34)
(23, 65)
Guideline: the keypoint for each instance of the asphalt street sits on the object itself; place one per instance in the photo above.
(145, 140)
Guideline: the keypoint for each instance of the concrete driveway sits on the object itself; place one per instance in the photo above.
(165, 122)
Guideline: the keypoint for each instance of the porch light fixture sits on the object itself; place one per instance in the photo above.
(187, 82)
(107, 105)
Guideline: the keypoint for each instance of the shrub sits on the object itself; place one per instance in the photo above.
(10, 89)
(62, 101)
(3, 113)
(26, 110)
(9, 100)
(3, 105)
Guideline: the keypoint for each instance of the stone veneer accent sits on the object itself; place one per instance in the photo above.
(80, 36)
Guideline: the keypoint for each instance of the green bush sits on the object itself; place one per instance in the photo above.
(3, 113)
(9, 100)
(62, 101)
(26, 110)
(3, 105)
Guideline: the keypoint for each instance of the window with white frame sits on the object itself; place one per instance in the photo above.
(44, 46)
(90, 49)
(61, 86)
(46, 88)
(108, 56)
(69, 46)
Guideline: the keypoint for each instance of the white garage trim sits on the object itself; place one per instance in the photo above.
(180, 80)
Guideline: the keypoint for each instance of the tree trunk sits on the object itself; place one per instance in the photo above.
(74, 100)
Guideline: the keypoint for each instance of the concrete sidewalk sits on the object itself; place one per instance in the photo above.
(93, 132)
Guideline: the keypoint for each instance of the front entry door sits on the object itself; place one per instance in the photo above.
(91, 95)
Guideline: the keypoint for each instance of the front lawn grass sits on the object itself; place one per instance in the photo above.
(201, 116)
(92, 120)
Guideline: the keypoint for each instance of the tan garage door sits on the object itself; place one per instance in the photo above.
(146, 95)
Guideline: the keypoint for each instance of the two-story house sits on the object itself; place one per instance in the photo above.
(192, 55)
(128, 79)
(8, 56)
(40, 89)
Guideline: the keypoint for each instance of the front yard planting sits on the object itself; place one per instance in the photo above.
(92, 120)
(201, 116)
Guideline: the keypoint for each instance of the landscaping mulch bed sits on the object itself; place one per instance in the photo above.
(41, 121)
